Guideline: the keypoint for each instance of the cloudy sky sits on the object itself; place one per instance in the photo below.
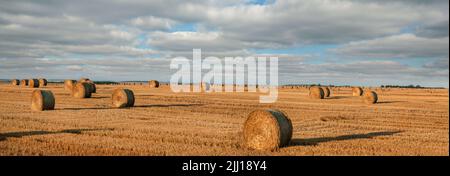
(364, 42)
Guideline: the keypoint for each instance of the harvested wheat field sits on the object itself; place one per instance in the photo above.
(403, 122)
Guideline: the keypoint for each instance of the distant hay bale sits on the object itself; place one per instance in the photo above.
(42, 82)
(326, 91)
(357, 91)
(153, 83)
(24, 82)
(370, 97)
(69, 84)
(42, 100)
(122, 98)
(316, 92)
(33, 83)
(82, 90)
(267, 130)
(15, 82)
(205, 86)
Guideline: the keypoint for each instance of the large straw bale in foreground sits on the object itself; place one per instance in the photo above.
(316, 92)
(267, 130)
(370, 97)
(122, 98)
(92, 87)
(82, 90)
(42, 100)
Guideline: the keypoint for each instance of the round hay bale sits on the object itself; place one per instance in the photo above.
(42, 100)
(82, 90)
(122, 98)
(24, 82)
(33, 83)
(153, 83)
(68, 84)
(370, 97)
(357, 91)
(326, 91)
(92, 87)
(267, 130)
(42, 82)
(316, 92)
(15, 82)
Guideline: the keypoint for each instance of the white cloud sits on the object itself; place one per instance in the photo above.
(153, 23)
(108, 37)
(317, 21)
(186, 41)
(75, 68)
(397, 46)
(440, 64)
(121, 34)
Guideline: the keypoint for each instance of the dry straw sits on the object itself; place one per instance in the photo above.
(82, 90)
(153, 83)
(357, 91)
(42, 82)
(122, 98)
(42, 100)
(326, 91)
(267, 130)
(33, 83)
(68, 84)
(370, 97)
(24, 82)
(316, 92)
(15, 82)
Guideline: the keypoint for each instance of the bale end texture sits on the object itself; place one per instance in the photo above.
(267, 130)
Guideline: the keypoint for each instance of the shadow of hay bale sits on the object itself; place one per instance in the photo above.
(19, 134)
(317, 141)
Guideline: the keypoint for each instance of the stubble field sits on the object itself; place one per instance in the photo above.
(404, 122)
